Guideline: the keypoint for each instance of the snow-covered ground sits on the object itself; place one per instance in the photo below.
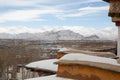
(52, 77)
(44, 64)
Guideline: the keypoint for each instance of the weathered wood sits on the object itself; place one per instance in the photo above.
(118, 24)
(115, 19)
(114, 10)
(118, 44)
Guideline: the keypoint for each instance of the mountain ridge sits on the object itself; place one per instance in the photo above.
(49, 35)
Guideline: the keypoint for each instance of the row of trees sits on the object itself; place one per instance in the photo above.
(12, 56)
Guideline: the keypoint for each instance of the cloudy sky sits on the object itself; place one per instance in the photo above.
(40, 15)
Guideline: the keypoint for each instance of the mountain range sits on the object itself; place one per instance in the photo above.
(49, 35)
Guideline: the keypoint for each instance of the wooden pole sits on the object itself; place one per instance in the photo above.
(118, 43)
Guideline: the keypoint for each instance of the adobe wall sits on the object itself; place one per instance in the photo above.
(60, 54)
(81, 72)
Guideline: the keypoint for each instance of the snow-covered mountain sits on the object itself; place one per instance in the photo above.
(49, 35)
(65, 35)
(92, 37)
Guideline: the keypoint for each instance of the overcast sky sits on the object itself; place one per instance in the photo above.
(41, 15)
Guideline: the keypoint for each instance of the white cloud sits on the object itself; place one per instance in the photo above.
(88, 1)
(21, 3)
(86, 11)
(36, 14)
(94, 8)
(26, 15)
(106, 33)
(24, 3)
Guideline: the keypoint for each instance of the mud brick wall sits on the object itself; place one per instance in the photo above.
(60, 54)
(81, 72)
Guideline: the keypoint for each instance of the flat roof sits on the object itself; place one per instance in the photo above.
(88, 60)
(46, 65)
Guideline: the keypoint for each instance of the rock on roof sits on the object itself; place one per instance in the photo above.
(47, 65)
(52, 77)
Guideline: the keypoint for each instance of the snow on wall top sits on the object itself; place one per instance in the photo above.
(63, 49)
(83, 57)
(52, 77)
(44, 64)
